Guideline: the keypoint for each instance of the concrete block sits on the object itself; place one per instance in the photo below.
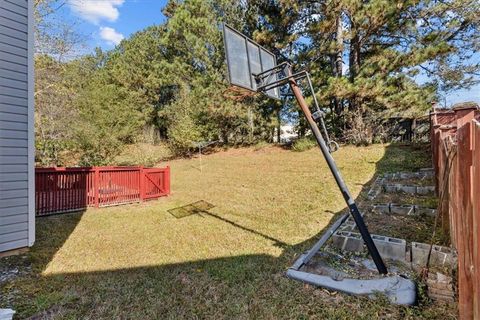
(420, 254)
(376, 188)
(425, 211)
(425, 190)
(347, 241)
(407, 189)
(405, 209)
(338, 238)
(390, 188)
(388, 176)
(381, 208)
(440, 257)
(427, 172)
(407, 175)
(390, 248)
(372, 194)
(402, 209)
(354, 242)
(410, 189)
(347, 226)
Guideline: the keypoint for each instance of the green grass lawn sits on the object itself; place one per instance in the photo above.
(140, 262)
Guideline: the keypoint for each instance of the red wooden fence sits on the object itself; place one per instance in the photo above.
(70, 189)
(456, 159)
(476, 217)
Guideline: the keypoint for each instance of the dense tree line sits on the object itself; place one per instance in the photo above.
(168, 82)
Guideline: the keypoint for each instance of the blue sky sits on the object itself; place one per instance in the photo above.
(107, 22)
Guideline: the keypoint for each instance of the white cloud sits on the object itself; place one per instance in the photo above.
(96, 10)
(110, 35)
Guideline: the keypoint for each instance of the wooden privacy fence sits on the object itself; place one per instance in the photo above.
(60, 190)
(455, 139)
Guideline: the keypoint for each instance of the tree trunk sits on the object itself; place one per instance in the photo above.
(338, 62)
(354, 61)
(339, 55)
(279, 124)
(355, 120)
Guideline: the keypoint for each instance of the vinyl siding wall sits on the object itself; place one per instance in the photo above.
(16, 125)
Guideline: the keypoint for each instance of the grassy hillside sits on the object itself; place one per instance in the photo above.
(140, 262)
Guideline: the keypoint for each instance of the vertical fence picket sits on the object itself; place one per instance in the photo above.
(96, 187)
(476, 217)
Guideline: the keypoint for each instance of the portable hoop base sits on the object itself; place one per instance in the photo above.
(397, 289)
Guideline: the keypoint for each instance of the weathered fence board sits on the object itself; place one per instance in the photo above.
(476, 216)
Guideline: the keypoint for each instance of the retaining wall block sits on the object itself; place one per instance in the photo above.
(424, 190)
(420, 254)
(338, 238)
(348, 241)
(425, 211)
(376, 188)
(353, 242)
(408, 175)
(389, 176)
(421, 174)
(408, 189)
(402, 209)
(390, 248)
(390, 188)
(440, 257)
(347, 226)
(429, 172)
(381, 208)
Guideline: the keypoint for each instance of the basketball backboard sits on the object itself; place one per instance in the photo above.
(246, 58)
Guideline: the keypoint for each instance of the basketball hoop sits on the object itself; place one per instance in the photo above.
(253, 68)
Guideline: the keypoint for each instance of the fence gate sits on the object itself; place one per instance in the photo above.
(156, 182)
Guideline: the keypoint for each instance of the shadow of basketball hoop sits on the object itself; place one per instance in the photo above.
(202, 208)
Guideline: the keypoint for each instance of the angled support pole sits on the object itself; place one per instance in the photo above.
(270, 79)
(332, 145)
(372, 249)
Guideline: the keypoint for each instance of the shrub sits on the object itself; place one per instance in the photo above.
(303, 144)
(143, 154)
(261, 145)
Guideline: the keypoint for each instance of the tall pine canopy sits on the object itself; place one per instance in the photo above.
(369, 60)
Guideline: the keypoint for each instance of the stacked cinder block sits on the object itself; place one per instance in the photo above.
(404, 209)
(438, 257)
(388, 247)
(376, 188)
(439, 260)
(422, 190)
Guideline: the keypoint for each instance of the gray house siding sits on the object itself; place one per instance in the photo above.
(17, 211)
